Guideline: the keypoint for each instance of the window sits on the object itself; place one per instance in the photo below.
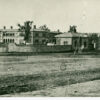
(54, 41)
(8, 40)
(43, 42)
(12, 40)
(6, 34)
(44, 35)
(65, 42)
(36, 41)
(11, 34)
(4, 40)
(3, 34)
(85, 44)
(75, 43)
(36, 34)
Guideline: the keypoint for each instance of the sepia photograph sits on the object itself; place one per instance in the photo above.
(49, 48)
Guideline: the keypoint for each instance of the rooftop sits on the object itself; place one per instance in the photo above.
(69, 34)
(40, 30)
(9, 30)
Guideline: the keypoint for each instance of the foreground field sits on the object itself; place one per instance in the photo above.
(23, 73)
(85, 89)
(24, 65)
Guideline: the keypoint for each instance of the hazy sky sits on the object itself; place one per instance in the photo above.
(57, 14)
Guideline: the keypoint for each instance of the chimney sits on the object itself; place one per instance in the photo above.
(4, 27)
(58, 30)
(11, 27)
(34, 26)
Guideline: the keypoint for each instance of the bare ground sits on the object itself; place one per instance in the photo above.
(23, 74)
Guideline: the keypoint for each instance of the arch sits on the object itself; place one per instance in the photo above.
(6, 41)
(12, 40)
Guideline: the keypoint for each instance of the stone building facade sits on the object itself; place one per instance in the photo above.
(43, 37)
(11, 36)
(76, 40)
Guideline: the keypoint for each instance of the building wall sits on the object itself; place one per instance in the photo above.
(38, 38)
(1, 37)
(85, 42)
(78, 43)
(75, 42)
(43, 37)
(18, 38)
(10, 36)
(38, 49)
(64, 41)
(3, 48)
(98, 44)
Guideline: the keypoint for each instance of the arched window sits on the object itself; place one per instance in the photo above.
(5, 40)
(8, 41)
(12, 40)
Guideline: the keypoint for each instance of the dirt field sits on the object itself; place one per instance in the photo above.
(85, 89)
(19, 65)
(31, 73)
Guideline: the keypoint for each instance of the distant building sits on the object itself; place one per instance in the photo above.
(11, 36)
(76, 40)
(93, 41)
(38, 36)
(43, 37)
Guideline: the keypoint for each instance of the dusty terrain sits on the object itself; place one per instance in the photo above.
(21, 65)
(20, 74)
(85, 89)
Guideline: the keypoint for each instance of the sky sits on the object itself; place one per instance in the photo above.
(56, 14)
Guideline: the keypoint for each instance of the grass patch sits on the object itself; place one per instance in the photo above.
(17, 84)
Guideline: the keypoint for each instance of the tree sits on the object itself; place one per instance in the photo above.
(44, 27)
(27, 28)
(73, 29)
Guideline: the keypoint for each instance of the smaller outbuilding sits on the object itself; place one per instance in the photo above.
(76, 40)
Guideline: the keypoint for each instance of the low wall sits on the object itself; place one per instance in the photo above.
(58, 48)
(3, 48)
(38, 49)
